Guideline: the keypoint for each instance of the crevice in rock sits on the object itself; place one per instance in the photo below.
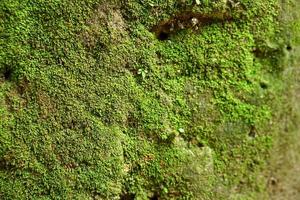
(252, 132)
(263, 85)
(289, 48)
(127, 196)
(154, 197)
(187, 20)
(7, 73)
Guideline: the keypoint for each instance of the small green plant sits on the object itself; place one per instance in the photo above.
(143, 73)
(181, 130)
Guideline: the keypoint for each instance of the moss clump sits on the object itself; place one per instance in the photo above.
(94, 106)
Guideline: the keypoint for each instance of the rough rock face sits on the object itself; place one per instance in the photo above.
(143, 99)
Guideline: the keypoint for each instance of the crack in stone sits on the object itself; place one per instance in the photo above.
(187, 20)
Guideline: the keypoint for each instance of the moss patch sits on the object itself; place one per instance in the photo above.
(94, 106)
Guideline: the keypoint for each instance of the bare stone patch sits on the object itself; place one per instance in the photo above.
(106, 25)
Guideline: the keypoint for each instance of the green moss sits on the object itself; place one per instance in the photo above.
(95, 106)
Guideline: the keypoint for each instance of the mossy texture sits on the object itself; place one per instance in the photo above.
(93, 105)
